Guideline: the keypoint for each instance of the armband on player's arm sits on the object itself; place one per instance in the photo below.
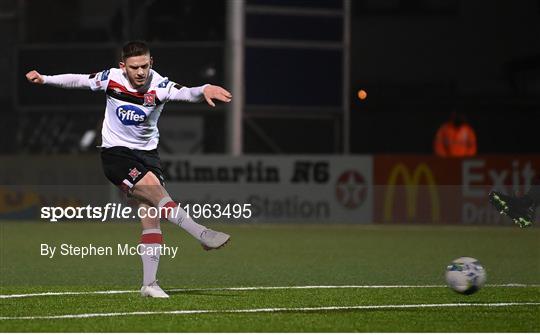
(190, 94)
(67, 80)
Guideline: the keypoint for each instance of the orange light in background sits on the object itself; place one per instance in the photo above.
(362, 95)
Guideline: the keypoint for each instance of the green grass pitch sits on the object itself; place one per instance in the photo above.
(273, 260)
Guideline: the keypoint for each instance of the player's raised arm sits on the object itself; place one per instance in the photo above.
(196, 94)
(85, 81)
(35, 78)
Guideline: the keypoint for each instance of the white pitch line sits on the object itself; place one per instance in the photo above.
(270, 310)
(254, 288)
(44, 294)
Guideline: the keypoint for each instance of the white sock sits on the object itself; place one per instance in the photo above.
(150, 238)
(178, 216)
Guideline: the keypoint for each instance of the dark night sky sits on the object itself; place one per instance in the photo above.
(418, 61)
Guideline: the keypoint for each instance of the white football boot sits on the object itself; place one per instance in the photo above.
(153, 290)
(211, 239)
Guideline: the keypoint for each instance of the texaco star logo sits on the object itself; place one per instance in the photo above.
(351, 189)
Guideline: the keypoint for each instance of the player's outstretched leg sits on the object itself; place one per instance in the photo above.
(150, 190)
(210, 239)
(521, 210)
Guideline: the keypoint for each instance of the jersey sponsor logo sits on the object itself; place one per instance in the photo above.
(130, 115)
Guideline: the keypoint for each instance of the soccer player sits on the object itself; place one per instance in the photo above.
(521, 209)
(136, 95)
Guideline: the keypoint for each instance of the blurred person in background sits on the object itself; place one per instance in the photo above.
(455, 138)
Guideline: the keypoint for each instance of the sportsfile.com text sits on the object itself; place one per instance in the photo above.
(113, 211)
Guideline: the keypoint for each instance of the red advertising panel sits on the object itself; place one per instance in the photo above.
(428, 189)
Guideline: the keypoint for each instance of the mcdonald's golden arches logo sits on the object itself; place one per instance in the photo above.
(411, 182)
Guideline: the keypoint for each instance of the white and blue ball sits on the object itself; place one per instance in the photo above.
(465, 275)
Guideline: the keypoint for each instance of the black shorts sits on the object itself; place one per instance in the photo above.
(124, 167)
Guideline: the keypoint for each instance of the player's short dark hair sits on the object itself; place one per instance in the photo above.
(134, 48)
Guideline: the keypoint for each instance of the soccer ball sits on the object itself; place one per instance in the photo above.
(465, 275)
